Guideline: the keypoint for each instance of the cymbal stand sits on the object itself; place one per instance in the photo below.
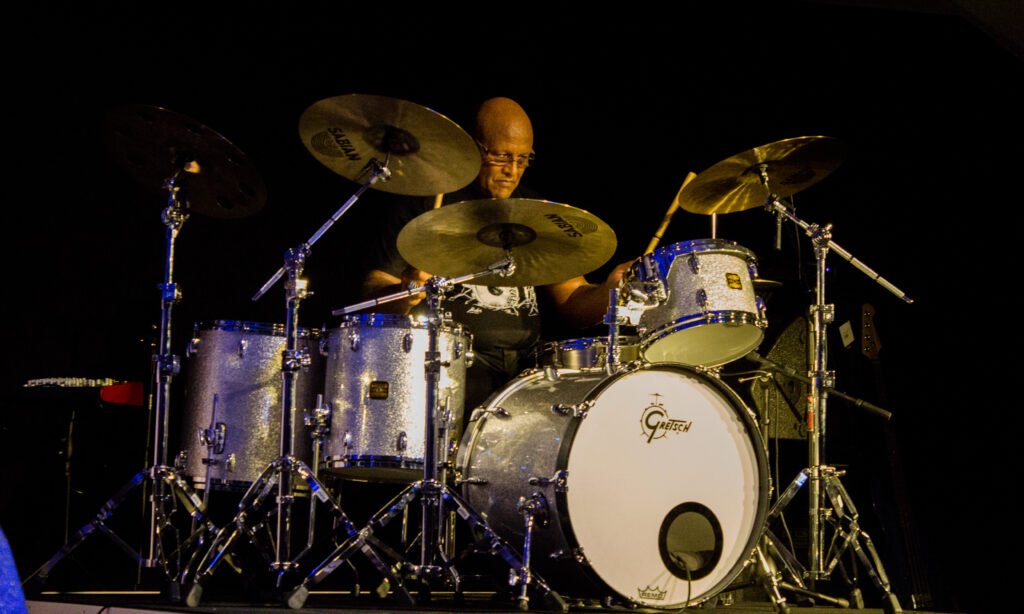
(280, 471)
(829, 501)
(433, 491)
(167, 485)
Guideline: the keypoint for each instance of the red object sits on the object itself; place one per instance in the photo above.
(130, 393)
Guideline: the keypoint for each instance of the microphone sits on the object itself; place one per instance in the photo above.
(778, 232)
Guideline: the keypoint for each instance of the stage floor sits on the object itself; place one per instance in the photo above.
(323, 602)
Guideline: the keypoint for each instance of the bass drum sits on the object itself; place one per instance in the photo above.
(652, 482)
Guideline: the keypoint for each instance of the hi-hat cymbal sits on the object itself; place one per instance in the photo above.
(735, 184)
(153, 143)
(430, 154)
(550, 242)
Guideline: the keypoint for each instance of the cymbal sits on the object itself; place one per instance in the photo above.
(430, 154)
(550, 242)
(153, 143)
(734, 184)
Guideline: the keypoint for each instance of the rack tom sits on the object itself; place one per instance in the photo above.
(704, 309)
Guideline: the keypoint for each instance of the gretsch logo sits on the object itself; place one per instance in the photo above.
(657, 424)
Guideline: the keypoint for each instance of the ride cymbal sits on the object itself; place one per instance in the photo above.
(153, 144)
(430, 154)
(550, 242)
(735, 184)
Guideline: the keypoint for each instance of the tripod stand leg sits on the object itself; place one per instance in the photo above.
(179, 490)
(356, 541)
(782, 555)
(37, 578)
(770, 580)
(498, 547)
(846, 513)
(254, 496)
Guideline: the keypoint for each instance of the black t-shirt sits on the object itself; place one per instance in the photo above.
(498, 317)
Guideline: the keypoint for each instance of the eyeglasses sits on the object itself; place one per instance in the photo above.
(504, 159)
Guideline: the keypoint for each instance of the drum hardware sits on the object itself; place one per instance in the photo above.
(534, 509)
(212, 439)
(437, 501)
(480, 411)
(361, 128)
(774, 171)
(561, 477)
(614, 320)
(576, 411)
(280, 471)
(319, 423)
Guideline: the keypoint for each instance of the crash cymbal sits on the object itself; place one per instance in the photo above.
(430, 154)
(550, 242)
(153, 143)
(734, 184)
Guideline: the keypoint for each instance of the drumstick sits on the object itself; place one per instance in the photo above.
(668, 214)
(437, 201)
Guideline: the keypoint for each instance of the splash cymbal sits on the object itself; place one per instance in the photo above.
(735, 184)
(153, 143)
(550, 242)
(430, 154)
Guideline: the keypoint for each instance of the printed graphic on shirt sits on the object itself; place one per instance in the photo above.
(509, 300)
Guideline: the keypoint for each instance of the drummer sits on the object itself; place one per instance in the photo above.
(505, 321)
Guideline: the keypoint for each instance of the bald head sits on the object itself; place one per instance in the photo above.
(502, 127)
(503, 118)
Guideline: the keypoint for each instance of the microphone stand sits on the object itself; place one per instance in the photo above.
(829, 502)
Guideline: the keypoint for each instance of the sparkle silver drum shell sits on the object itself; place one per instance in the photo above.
(647, 477)
(239, 365)
(710, 315)
(587, 352)
(376, 388)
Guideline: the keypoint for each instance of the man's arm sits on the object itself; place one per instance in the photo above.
(584, 304)
(378, 283)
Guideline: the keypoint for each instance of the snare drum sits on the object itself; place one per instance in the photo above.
(586, 353)
(233, 402)
(652, 482)
(709, 315)
(377, 392)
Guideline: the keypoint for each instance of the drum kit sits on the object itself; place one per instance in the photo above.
(622, 468)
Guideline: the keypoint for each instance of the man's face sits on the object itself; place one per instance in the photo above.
(499, 180)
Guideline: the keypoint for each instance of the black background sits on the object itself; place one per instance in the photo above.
(624, 103)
